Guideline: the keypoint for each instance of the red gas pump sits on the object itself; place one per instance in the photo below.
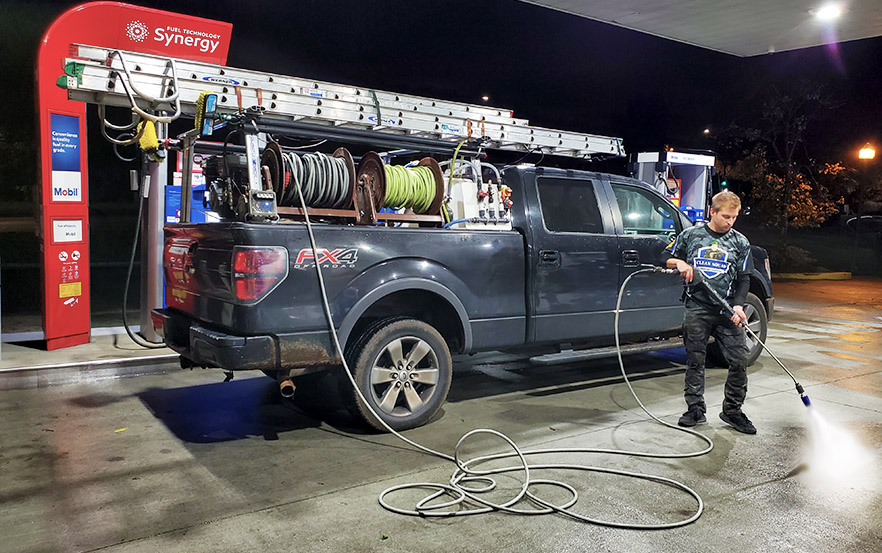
(64, 215)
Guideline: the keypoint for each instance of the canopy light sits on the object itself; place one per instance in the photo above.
(829, 12)
(867, 152)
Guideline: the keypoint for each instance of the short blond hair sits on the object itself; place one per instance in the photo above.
(725, 198)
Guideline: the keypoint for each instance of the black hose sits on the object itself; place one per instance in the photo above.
(224, 154)
(127, 136)
(730, 311)
(143, 342)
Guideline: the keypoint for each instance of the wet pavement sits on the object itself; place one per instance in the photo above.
(181, 461)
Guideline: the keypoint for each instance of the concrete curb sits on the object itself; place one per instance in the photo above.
(812, 276)
(42, 376)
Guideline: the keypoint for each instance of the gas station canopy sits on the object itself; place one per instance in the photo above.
(741, 28)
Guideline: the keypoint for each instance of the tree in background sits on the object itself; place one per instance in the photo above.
(787, 116)
(808, 201)
(860, 184)
(749, 170)
(840, 180)
(810, 204)
(772, 164)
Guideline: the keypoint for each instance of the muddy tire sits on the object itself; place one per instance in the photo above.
(403, 368)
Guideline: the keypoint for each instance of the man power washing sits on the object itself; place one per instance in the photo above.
(721, 255)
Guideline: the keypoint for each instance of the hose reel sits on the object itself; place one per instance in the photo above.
(326, 181)
(330, 183)
(419, 189)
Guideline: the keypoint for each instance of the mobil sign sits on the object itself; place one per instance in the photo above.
(64, 142)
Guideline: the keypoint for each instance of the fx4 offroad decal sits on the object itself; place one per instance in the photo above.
(328, 259)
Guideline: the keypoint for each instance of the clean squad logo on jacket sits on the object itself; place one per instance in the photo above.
(712, 261)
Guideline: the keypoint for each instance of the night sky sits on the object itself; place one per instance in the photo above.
(552, 68)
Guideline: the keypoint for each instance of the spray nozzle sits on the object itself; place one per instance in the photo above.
(802, 395)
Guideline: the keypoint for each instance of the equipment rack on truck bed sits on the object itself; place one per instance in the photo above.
(537, 263)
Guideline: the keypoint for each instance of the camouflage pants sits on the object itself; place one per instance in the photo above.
(698, 325)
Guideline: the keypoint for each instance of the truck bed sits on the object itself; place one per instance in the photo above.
(414, 269)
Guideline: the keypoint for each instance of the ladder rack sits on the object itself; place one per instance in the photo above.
(93, 75)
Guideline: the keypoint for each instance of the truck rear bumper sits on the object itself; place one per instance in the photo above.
(209, 347)
(300, 352)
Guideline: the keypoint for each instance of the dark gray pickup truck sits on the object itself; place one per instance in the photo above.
(246, 296)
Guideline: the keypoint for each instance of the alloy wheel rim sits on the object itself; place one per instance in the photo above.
(754, 323)
(404, 376)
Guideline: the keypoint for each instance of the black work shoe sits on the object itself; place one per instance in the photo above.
(739, 422)
(692, 417)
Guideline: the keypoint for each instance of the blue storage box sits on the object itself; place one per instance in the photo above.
(693, 213)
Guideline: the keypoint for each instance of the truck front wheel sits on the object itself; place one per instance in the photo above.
(403, 368)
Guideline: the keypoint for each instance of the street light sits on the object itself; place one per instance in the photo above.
(867, 153)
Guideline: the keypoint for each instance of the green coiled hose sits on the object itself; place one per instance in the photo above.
(409, 187)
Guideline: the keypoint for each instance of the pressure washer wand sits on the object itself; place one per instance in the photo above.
(728, 308)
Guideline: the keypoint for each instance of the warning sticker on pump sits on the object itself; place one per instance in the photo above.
(70, 289)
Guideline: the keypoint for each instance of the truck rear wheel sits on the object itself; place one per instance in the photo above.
(403, 368)
(758, 323)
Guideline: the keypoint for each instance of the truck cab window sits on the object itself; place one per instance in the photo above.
(569, 205)
(645, 213)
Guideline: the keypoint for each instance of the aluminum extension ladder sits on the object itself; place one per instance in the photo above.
(157, 84)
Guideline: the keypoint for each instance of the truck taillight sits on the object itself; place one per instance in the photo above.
(257, 271)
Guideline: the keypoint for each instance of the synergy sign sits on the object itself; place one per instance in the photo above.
(201, 41)
(205, 42)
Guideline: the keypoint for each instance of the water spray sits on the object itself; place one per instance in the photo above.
(834, 454)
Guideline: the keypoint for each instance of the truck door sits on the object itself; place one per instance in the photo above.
(645, 224)
(575, 271)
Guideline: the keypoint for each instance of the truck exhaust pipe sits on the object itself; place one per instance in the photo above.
(286, 388)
